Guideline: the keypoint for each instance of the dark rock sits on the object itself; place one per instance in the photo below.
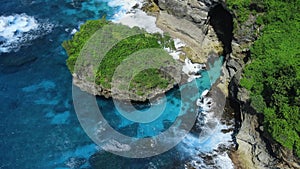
(255, 144)
(232, 67)
(249, 140)
(110, 160)
(222, 22)
(257, 7)
(156, 2)
(231, 71)
(234, 64)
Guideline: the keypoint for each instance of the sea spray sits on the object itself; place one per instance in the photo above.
(19, 29)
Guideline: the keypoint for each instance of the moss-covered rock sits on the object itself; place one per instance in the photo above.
(100, 47)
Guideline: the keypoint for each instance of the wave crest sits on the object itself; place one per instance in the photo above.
(19, 29)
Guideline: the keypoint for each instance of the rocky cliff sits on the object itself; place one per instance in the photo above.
(205, 14)
(203, 24)
(255, 147)
(191, 10)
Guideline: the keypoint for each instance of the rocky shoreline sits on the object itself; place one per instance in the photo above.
(127, 95)
(190, 21)
(254, 147)
(183, 68)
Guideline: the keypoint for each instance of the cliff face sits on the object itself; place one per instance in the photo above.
(204, 25)
(222, 22)
(191, 10)
(255, 148)
(251, 151)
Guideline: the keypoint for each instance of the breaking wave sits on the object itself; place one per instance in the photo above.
(19, 29)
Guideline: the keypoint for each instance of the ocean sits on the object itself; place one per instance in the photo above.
(39, 126)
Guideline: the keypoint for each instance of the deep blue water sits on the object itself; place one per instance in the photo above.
(39, 128)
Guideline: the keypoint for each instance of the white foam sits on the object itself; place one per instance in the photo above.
(140, 19)
(133, 17)
(204, 93)
(204, 102)
(125, 5)
(224, 161)
(175, 54)
(191, 69)
(210, 138)
(10, 25)
(207, 142)
(221, 161)
(73, 31)
(178, 43)
(114, 145)
(18, 29)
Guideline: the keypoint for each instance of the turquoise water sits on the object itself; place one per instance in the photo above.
(172, 109)
(39, 127)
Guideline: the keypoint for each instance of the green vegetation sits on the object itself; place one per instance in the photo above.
(126, 47)
(125, 42)
(246, 7)
(142, 83)
(74, 46)
(273, 76)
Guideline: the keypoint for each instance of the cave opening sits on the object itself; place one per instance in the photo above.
(222, 22)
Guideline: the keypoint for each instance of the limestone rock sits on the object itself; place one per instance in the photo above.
(198, 16)
(202, 41)
(195, 4)
(234, 64)
(192, 10)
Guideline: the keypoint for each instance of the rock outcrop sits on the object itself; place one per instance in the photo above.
(191, 10)
(201, 44)
(222, 22)
(190, 21)
(252, 152)
(130, 95)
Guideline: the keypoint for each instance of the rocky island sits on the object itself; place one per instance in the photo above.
(97, 79)
(97, 75)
